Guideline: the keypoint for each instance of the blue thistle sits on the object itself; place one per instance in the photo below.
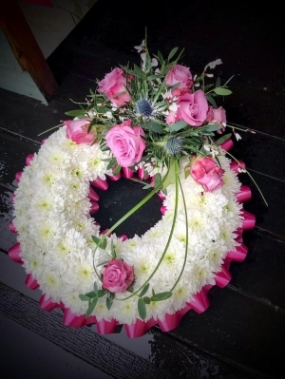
(174, 145)
(144, 107)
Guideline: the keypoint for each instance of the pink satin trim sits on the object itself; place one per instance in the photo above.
(227, 145)
(14, 253)
(71, 320)
(248, 220)
(127, 172)
(44, 141)
(94, 208)
(12, 227)
(31, 282)
(18, 176)
(161, 195)
(48, 305)
(93, 196)
(223, 278)
(163, 209)
(244, 194)
(141, 173)
(200, 301)
(116, 177)
(29, 159)
(101, 184)
(239, 254)
(237, 166)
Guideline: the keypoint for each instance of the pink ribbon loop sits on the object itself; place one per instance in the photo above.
(200, 302)
(106, 327)
(116, 177)
(249, 220)
(93, 195)
(169, 322)
(100, 183)
(161, 195)
(227, 145)
(47, 304)
(44, 141)
(71, 320)
(163, 209)
(244, 194)
(223, 278)
(237, 166)
(239, 254)
(31, 282)
(18, 176)
(29, 159)
(136, 329)
(128, 173)
(12, 227)
(14, 253)
(94, 208)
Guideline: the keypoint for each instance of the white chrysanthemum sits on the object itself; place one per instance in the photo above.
(55, 228)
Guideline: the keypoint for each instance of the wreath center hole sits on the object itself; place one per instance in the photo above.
(121, 197)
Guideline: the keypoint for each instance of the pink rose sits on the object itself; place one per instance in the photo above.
(114, 87)
(117, 276)
(217, 116)
(126, 143)
(207, 173)
(179, 74)
(76, 130)
(193, 108)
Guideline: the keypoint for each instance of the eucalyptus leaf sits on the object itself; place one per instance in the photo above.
(222, 91)
(117, 169)
(111, 163)
(100, 242)
(212, 128)
(95, 286)
(92, 306)
(91, 294)
(146, 300)
(101, 293)
(161, 296)
(84, 297)
(142, 308)
(211, 101)
(109, 303)
(153, 127)
(223, 138)
(177, 126)
(144, 290)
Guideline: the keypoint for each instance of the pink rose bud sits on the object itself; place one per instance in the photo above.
(206, 172)
(76, 130)
(117, 276)
(114, 87)
(217, 116)
(126, 143)
(192, 108)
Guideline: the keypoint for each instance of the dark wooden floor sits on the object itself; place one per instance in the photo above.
(242, 334)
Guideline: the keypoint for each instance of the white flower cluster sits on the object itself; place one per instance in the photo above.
(55, 228)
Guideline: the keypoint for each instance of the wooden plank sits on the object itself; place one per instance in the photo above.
(238, 330)
(7, 239)
(25, 48)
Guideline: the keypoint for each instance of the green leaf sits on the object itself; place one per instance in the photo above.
(211, 101)
(212, 127)
(142, 308)
(102, 263)
(92, 306)
(161, 296)
(172, 53)
(177, 126)
(113, 252)
(154, 77)
(157, 179)
(111, 163)
(91, 294)
(100, 242)
(222, 91)
(109, 303)
(146, 300)
(147, 63)
(84, 297)
(153, 127)
(218, 82)
(95, 286)
(223, 139)
(117, 169)
(101, 293)
(76, 112)
(144, 290)
(170, 176)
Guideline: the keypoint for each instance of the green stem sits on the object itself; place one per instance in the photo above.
(168, 240)
(57, 126)
(252, 179)
(187, 235)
